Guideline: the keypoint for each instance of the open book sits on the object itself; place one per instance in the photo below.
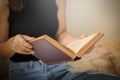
(51, 51)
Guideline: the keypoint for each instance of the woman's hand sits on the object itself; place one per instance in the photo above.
(83, 36)
(20, 44)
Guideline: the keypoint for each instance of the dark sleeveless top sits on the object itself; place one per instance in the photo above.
(38, 17)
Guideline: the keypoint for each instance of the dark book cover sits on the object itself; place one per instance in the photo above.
(51, 51)
(48, 53)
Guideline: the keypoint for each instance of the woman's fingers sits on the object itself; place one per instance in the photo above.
(27, 38)
(21, 41)
(20, 45)
(29, 50)
(83, 36)
(23, 51)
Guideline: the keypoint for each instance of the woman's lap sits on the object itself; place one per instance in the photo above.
(37, 70)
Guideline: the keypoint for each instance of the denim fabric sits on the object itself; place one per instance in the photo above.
(37, 70)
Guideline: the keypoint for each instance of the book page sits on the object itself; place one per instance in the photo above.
(77, 45)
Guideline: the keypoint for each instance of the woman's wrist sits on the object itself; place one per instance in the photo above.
(9, 47)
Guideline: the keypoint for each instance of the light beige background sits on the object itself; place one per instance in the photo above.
(89, 16)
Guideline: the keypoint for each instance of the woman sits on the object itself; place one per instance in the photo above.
(22, 21)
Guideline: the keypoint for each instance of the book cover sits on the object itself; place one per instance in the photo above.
(51, 51)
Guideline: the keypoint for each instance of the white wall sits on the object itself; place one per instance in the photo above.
(89, 16)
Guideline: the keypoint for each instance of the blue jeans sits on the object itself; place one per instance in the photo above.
(37, 70)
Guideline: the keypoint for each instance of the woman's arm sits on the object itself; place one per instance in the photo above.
(16, 44)
(4, 13)
(62, 35)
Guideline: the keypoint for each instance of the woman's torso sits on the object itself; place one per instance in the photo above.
(38, 17)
